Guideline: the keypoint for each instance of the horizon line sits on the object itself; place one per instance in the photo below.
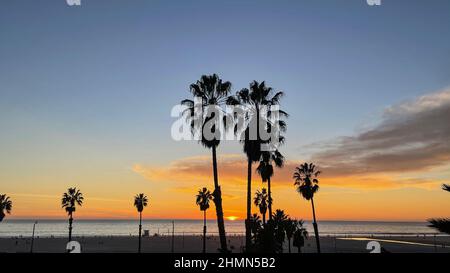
(198, 219)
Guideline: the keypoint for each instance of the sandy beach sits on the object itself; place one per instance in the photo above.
(193, 244)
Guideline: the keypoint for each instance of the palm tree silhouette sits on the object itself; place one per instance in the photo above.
(265, 170)
(255, 225)
(202, 200)
(256, 99)
(307, 185)
(70, 199)
(279, 220)
(441, 224)
(213, 93)
(140, 202)
(300, 235)
(5, 206)
(261, 200)
(290, 227)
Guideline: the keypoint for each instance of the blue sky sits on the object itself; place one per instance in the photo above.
(98, 81)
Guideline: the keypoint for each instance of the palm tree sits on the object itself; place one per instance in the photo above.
(140, 202)
(265, 170)
(299, 236)
(5, 206)
(255, 225)
(441, 224)
(202, 200)
(70, 199)
(307, 184)
(290, 228)
(279, 219)
(213, 93)
(256, 99)
(261, 200)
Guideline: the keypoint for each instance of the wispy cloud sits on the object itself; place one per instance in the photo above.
(413, 136)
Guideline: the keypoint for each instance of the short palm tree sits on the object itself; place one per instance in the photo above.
(5, 206)
(260, 200)
(202, 200)
(255, 225)
(69, 201)
(279, 219)
(140, 202)
(213, 93)
(441, 224)
(307, 184)
(257, 101)
(291, 226)
(265, 170)
(300, 236)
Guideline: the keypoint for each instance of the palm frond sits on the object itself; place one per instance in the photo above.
(441, 224)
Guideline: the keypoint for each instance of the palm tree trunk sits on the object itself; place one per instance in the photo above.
(299, 249)
(264, 219)
(316, 229)
(204, 231)
(218, 203)
(270, 198)
(248, 235)
(70, 227)
(289, 244)
(140, 231)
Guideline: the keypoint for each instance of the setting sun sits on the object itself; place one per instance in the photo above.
(232, 218)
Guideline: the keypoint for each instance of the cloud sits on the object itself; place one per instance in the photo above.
(413, 136)
(197, 169)
(190, 173)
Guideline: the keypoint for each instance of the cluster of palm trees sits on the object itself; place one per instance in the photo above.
(306, 181)
(213, 92)
(269, 237)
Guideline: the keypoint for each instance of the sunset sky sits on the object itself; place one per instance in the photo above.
(86, 94)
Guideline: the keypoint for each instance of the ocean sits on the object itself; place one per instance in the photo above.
(59, 228)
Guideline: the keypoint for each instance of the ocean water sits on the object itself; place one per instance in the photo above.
(59, 228)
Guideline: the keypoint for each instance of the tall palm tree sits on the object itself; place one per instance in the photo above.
(202, 200)
(140, 202)
(213, 93)
(307, 184)
(260, 200)
(257, 101)
(70, 199)
(5, 206)
(265, 170)
(441, 224)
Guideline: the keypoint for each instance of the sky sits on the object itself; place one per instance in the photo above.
(86, 93)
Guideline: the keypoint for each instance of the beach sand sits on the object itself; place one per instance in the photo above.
(193, 244)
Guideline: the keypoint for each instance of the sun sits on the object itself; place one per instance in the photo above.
(232, 218)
